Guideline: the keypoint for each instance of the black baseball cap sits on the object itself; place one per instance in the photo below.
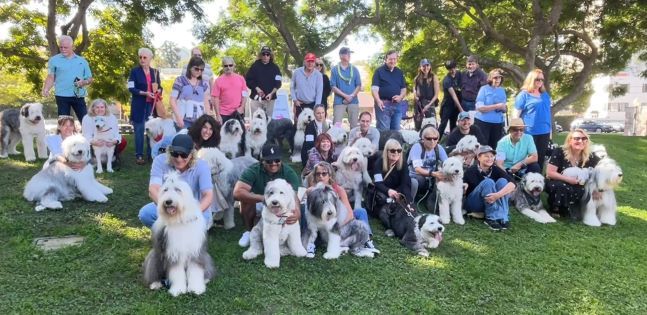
(266, 49)
(345, 50)
(450, 64)
(271, 151)
(182, 143)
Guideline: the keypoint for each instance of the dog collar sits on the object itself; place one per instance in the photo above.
(281, 221)
(530, 198)
(105, 130)
(159, 137)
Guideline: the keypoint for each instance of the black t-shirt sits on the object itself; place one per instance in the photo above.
(326, 90)
(398, 179)
(456, 135)
(449, 82)
(558, 159)
(473, 176)
(265, 76)
(426, 89)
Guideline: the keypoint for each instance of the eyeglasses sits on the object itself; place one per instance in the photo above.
(143, 57)
(266, 54)
(319, 64)
(270, 162)
(516, 130)
(395, 150)
(431, 138)
(321, 174)
(198, 69)
(179, 154)
(197, 55)
(583, 139)
(539, 80)
(227, 66)
(497, 77)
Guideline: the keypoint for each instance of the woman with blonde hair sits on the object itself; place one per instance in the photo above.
(533, 106)
(490, 107)
(426, 93)
(390, 176)
(90, 129)
(564, 192)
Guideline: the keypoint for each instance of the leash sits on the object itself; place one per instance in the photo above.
(402, 204)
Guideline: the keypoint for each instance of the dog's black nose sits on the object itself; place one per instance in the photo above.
(79, 152)
(620, 175)
(275, 203)
(440, 229)
(37, 118)
(98, 126)
(168, 202)
(355, 160)
(456, 171)
(329, 212)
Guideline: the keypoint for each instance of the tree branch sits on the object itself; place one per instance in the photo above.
(353, 24)
(275, 16)
(52, 45)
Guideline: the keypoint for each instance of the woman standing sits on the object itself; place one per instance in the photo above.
(565, 193)
(145, 86)
(321, 66)
(533, 104)
(205, 132)
(490, 106)
(190, 94)
(451, 105)
(323, 150)
(426, 96)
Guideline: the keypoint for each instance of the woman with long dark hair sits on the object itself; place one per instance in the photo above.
(426, 93)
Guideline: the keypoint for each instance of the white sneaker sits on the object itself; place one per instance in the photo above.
(244, 240)
(370, 246)
(311, 250)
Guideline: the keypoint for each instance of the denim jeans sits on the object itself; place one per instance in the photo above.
(148, 215)
(65, 104)
(468, 105)
(140, 139)
(494, 211)
(390, 117)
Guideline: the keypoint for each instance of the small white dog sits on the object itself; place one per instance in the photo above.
(260, 114)
(24, 125)
(527, 198)
(306, 116)
(256, 137)
(606, 176)
(158, 129)
(365, 146)
(352, 173)
(599, 150)
(58, 182)
(339, 138)
(450, 191)
(271, 235)
(103, 132)
(410, 136)
(179, 251)
(467, 147)
(582, 174)
(231, 139)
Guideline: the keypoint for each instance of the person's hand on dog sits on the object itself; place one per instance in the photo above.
(394, 194)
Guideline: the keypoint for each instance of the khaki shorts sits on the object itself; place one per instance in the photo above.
(339, 110)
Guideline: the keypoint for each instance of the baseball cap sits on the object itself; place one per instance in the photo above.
(424, 62)
(450, 64)
(463, 115)
(485, 149)
(266, 49)
(271, 151)
(345, 50)
(182, 143)
(310, 57)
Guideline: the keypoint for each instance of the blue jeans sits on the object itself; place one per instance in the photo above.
(148, 215)
(359, 214)
(140, 139)
(390, 117)
(495, 211)
(468, 105)
(65, 104)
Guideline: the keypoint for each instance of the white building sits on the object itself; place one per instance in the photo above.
(629, 109)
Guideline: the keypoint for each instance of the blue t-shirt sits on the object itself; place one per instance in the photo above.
(389, 82)
(347, 80)
(535, 112)
(489, 95)
(65, 71)
(198, 176)
(426, 161)
(513, 154)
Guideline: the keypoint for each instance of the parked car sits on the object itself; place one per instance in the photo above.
(593, 126)
(617, 127)
(126, 129)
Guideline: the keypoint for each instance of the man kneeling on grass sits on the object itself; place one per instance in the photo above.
(488, 190)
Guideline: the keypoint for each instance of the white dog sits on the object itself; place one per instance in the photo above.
(429, 121)
(306, 116)
(231, 139)
(271, 235)
(157, 130)
(467, 147)
(224, 174)
(260, 114)
(527, 198)
(352, 173)
(365, 146)
(179, 251)
(24, 125)
(257, 136)
(599, 150)
(339, 138)
(606, 176)
(410, 136)
(102, 132)
(58, 182)
(450, 191)
(582, 174)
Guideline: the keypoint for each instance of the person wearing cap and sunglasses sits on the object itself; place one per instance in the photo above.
(516, 152)
(263, 79)
(426, 93)
(389, 90)
(451, 105)
(190, 95)
(463, 128)
(250, 187)
(532, 104)
(425, 157)
(180, 156)
(488, 189)
(491, 104)
(306, 86)
(227, 93)
(346, 83)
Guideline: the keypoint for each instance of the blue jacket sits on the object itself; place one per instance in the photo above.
(139, 109)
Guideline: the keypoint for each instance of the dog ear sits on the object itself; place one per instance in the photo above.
(25, 111)
(421, 221)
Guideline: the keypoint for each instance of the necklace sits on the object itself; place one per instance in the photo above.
(341, 76)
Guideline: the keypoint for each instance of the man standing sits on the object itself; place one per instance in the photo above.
(346, 83)
(516, 152)
(464, 128)
(389, 90)
(451, 105)
(307, 86)
(471, 81)
(250, 187)
(263, 79)
(69, 73)
(227, 92)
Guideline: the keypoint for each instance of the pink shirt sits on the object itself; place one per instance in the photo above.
(229, 88)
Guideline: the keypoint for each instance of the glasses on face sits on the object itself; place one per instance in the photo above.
(539, 80)
(143, 57)
(266, 54)
(395, 151)
(179, 154)
(319, 64)
(197, 55)
(498, 78)
(227, 66)
(431, 138)
(516, 129)
(583, 139)
(271, 162)
(198, 69)
(321, 174)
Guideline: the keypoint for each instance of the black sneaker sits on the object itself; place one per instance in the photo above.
(504, 224)
(493, 224)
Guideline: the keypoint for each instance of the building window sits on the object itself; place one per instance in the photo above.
(617, 107)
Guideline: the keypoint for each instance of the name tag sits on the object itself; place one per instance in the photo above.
(378, 177)
(310, 138)
(131, 84)
(175, 93)
(278, 78)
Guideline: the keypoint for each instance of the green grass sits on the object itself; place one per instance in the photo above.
(532, 268)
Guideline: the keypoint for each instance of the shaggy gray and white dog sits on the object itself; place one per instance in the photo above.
(352, 174)
(279, 130)
(606, 176)
(305, 117)
(466, 148)
(416, 232)
(179, 251)
(527, 198)
(224, 174)
(257, 136)
(232, 139)
(102, 132)
(58, 182)
(365, 146)
(450, 191)
(24, 125)
(158, 129)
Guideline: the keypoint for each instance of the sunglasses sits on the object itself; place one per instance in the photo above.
(197, 55)
(179, 154)
(516, 129)
(581, 138)
(539, 80)
(198, 69)
(266, 54)
(431, 138)
(395, 150)
(270, 162)
(227, 66)
(319, 64)
(321, 173)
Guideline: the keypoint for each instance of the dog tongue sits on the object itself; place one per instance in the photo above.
(438, 236)
(171, 210)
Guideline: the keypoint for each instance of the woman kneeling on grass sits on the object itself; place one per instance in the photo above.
(323, 172)
(488, 190)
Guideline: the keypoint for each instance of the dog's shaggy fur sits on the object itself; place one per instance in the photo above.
(57, 182)
(339, 138)
(365, 146)
(410, 136)
(306, 116)
(606, 176)
(257, 136)
(271, 235)
(450, 191)
(466, 148)
(260, 114)
(179, 251)
(159, 129)
(429, 121)
(23, 125)
(527, 198)
(279, 130)
(103, 133)
(224, 174)
(232, 139)
(416, 232)
(582, 174)
(599, 150)
(352, 173)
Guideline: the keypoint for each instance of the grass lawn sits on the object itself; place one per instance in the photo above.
(531, 268)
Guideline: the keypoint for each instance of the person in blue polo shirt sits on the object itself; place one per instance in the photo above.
(389, 90)
(516, 153)
(69, 74)
(346, 83)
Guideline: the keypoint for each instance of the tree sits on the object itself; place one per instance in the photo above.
(170, 54)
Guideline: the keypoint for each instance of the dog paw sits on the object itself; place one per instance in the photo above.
(310, 255)
(444, 220)
(272, 264)
(331, 255)
(99, 171)
(229, 225)
(40, 208)
(110, 170)
(423, 253)
(389, 233)
(155, 285)
(4, 156)
(198, 288)
(344, 250)
(176, 290)
(250, 254)
(102, 199)
(296, 159)
(459, 221)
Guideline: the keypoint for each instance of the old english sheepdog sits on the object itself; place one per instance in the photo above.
(260, 114)
(410, 136)
(466, 148)
(352, 173)
(157, 130)
(429, 121)
(271, 235)
(416, 232)
(306, 116)
(58, 182)
(232, 139)
(450, 191)
(26, 125)
(179, 251)
(256, 137)
(527, 198)
(224, 174)
(582, 174)
(606, 176)
(599, 150)
(326, 215)
(339, 138)
(279, 130)
(103, 132)
(365, 146)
